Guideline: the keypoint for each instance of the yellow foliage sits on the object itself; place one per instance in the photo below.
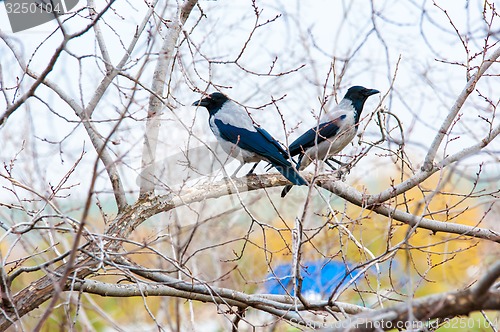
(434, 262)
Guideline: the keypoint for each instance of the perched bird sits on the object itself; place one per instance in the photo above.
(241, 139)
(335, 130)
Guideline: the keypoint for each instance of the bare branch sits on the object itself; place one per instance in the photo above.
(445, 126)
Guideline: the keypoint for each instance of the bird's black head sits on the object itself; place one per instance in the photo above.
(358, 95)
(212, 102)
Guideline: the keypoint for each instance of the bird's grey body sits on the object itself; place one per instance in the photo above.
(343, 116)
(335, 130)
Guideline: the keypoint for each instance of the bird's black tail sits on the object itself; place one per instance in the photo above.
(285, 190)
(288, 187)
(291, 174)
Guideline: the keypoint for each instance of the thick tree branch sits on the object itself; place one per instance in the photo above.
(31, 91)
(422, 175)
(99, 36)
(168, 286)
(113, 71)
(352, 195)
(483, 285)
(428, 308)
(148, 207)
(445, 126)
(423, 310)
(165, 59)
(50, 66)
(103, 154)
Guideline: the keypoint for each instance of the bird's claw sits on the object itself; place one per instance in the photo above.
(343, 171)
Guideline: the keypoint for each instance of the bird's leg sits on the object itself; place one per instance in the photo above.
(339, 171)
(338, 162)
(329, 164)
(344, 166)
(237, 170)
(253, 169)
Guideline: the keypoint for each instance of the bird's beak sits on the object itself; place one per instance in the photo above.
(203, 102)
(370, 92)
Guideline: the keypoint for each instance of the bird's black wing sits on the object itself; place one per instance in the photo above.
(315, 135)
(259, 142)
(272, 140)
(262, 143)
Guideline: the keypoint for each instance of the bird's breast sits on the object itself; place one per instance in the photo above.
(232, 114)
(329, 147)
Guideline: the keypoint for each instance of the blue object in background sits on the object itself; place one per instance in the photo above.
(319, 277)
